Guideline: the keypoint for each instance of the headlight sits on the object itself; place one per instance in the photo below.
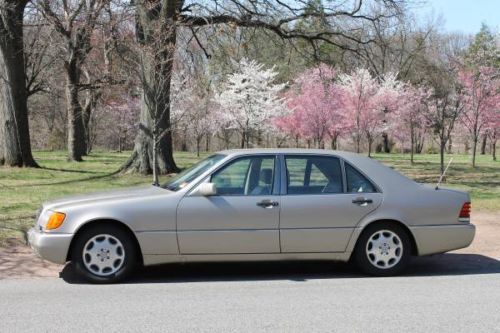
(56, 219)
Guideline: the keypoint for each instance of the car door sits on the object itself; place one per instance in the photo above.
(318, 213)
(242, 218)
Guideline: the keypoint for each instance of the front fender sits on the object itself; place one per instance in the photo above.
(151, 219)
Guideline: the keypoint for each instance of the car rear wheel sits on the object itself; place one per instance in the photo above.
(104, 254)
(383, 249)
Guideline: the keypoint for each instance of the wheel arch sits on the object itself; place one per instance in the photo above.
(414, 246)
(106, 221)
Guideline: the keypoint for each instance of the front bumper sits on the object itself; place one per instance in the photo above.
(51, 247)
(443, 238)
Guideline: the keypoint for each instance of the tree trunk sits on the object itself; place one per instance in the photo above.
(442, 147)
(156, 31)
(198, 145)
(141, 160)
(120, 143)
(14, 121)
(184, 144)
(156, 181)
(2, 140)
(474, 148)
(207, 142)
(226, 137)
(494, 148)
(370, 142)
(419, 142)
(358, 142)
(333, 142)
(412, 143)
(76, 132)
(243, 139)
(483, 144)
(88, 108)
(386, 144)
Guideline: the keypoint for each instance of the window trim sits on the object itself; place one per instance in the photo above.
(285, 172)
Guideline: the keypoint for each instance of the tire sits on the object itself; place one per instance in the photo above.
(383, 249)
(104, 254)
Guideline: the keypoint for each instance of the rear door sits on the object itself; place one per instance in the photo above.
(321, 207)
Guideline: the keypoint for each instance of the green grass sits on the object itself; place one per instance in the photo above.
(23, 190)
(482, 182)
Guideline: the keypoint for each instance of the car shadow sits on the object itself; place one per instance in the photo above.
(299, 271)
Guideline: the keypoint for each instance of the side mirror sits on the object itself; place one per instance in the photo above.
(206, 189)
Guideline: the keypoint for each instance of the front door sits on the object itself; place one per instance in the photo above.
(242, 218)
(318, 211)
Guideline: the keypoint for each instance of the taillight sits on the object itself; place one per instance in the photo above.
(465, 211)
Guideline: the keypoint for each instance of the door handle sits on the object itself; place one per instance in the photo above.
(362, 201)
(267, 203)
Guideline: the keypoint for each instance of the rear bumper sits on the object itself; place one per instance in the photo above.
(442, 238)
(51, 247)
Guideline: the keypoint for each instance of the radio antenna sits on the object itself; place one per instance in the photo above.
(442, 175)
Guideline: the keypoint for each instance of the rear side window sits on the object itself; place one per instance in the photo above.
(356, 182)
(313, 175)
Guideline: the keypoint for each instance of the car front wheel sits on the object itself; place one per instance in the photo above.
(104, 254)
(383, 249)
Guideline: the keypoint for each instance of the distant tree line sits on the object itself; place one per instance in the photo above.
(152, 76)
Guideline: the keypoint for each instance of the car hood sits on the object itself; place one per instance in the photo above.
(131, 192)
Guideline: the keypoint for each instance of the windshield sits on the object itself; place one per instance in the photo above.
(187, 176)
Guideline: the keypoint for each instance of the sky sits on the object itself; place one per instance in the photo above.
(463, 15)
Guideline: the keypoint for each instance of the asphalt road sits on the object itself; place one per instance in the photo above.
(450, 293)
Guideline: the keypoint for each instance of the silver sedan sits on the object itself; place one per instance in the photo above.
(250, 205)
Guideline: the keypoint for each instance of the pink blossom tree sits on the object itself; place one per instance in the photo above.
(408, 119)
(480, 93)
(290, 125)
(359, 91)
(315, 101)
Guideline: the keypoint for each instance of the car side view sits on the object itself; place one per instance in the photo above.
(253, 205)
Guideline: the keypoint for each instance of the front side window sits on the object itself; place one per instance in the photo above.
(313, 175)
(356, 182)
(246, 176)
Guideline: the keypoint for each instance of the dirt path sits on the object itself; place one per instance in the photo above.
(487, 239)
(18, 261)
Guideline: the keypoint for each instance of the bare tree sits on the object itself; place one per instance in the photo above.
(445, 109)
(152, 61)
(75, 21)
(15, 149)
(40, 56)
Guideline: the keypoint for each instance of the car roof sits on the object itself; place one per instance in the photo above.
(385, 177)
(285, 151)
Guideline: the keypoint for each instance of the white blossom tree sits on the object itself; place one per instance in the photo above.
(250, 100)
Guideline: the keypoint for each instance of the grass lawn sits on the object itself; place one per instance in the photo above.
(23, 190)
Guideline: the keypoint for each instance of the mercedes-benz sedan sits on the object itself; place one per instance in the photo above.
(251, 205)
